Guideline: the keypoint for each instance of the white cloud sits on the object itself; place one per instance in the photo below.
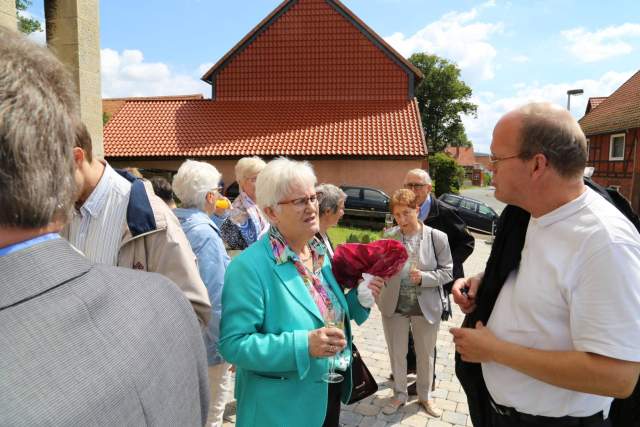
(520, 59)
(601, 44)
(457, 36)
(491, 108)
(127, 74)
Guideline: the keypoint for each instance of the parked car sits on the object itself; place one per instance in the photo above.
(232, 191)
(365, 206)
(478, 215)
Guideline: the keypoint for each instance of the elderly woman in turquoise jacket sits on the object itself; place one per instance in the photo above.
(276, 297)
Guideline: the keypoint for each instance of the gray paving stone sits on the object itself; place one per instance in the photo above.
(454, 417)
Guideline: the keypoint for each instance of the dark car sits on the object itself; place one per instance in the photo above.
(232, 191)
(478, 215)
(365, 206)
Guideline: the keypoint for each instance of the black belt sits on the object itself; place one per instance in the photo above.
(565, 421)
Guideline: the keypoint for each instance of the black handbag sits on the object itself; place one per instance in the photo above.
(363, 384)
(445, 298)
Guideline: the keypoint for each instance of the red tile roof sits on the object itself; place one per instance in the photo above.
(111, 106)
(619, 111)
(312, 50)
(206, 128)
(463, 155)
(593, 102)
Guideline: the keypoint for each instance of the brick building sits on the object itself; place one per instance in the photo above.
(311, 81)
(612, 127)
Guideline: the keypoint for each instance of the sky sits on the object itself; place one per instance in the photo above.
(509, 52)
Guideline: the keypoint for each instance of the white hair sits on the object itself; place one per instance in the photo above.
(248, 166)
(423, 174)
(279, 177)
(193, 181)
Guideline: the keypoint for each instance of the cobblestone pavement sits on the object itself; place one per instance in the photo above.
(448, 395)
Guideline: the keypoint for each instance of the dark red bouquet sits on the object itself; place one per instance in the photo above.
(382, 258)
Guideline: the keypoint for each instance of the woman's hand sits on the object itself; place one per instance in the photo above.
(325, 342)
(415, 277)
(376, 285)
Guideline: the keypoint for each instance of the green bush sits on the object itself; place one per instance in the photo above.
(365, 238)
(446, 174)
(353, 238)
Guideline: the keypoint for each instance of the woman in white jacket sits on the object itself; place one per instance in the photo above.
(413, 298)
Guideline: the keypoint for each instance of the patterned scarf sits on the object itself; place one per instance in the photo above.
(242, 207)
(283, 253)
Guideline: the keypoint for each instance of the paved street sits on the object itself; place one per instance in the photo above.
(448, 394)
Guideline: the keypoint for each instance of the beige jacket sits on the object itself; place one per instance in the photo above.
(154, 241)
(436, 269)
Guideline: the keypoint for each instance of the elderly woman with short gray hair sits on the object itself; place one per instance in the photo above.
(196, 184)
(277, 297)
(331, 207)
(245, 223)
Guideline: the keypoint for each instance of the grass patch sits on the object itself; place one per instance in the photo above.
(339, 234)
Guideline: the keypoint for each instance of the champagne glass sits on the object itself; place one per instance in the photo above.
(333, 318)
(388, 221)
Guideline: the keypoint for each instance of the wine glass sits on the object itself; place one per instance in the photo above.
(388, 221)
(333, 318)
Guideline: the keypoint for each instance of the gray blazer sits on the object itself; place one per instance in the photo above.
(436, 271)
(87, 345)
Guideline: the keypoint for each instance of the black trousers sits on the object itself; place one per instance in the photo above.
(332, 418)
(517, 419)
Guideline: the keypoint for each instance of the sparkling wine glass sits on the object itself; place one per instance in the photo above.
(388, 221)
(334, 318)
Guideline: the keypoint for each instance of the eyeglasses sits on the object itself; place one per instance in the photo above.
(493, 159)
(414, 185)
(301, 202)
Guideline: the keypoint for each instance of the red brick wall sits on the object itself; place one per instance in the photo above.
(620, 172)
(311, 53)
(386, 175)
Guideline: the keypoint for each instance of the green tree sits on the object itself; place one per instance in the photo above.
(442, 98)
(26, 25)
(446, 173)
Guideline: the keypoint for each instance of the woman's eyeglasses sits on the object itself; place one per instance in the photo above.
(301, 202)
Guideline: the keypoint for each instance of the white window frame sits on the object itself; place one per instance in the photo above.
(611, 146)
(588, 148)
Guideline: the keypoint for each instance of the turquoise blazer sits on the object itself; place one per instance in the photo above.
(267, 313)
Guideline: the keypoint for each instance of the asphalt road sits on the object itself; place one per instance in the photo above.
(484, 194)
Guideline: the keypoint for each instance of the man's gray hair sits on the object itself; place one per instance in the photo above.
(193, 181)
(279, 178)
(552, 131)
(38, 120)
(329, 197)
(248, 166)
(423, 174)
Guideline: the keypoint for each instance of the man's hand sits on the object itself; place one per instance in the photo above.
(464, 292)
(325, 342)
(475, 345)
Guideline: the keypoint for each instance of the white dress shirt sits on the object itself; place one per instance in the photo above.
(96, 230)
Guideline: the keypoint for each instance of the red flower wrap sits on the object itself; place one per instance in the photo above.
(382, 258)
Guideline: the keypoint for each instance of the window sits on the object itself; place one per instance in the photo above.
(485, 210)
(615, 187)
(352, 192)
(616, 147)
(451, 200)
(470, 206)
(374, 196)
